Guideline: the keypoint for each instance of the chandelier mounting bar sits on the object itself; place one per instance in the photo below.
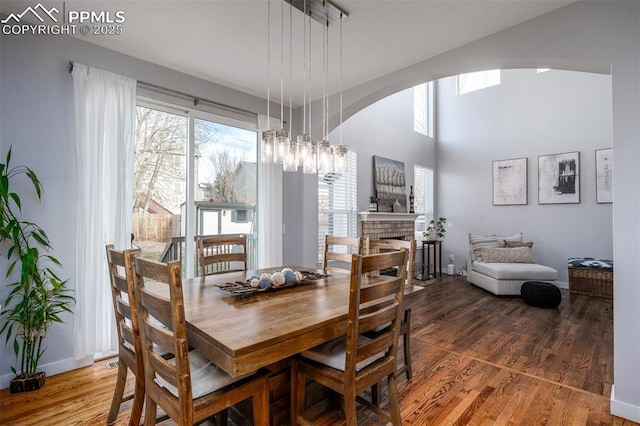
(316, 9)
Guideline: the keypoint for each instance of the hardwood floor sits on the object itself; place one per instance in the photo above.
(478, 359)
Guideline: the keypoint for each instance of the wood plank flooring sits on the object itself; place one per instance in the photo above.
(478, 359)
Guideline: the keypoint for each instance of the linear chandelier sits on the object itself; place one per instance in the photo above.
(279, 146)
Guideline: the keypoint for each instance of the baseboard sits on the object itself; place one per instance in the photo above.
(623, 409)
(562, 284)
(53, 368)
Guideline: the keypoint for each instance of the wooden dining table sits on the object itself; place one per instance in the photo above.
(242, 333)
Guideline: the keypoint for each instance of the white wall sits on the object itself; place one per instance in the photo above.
(527, 115)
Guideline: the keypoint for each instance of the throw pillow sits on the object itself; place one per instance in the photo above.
(502, 239)
(511, 244)
(508, 255)
(478, 242)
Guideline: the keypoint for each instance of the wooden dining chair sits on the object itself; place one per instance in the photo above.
(222, 253)
(129, 346)
(353, 363)
(188, 387)
(377, 246)
(332, 255)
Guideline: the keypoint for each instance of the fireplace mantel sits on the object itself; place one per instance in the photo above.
(380, 216)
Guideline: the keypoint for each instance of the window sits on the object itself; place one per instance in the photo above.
(473, 81)
(423, 185)
(337, 204)
(177, 148)
(423, 108)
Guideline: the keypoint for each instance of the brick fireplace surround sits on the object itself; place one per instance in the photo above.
(400, 226)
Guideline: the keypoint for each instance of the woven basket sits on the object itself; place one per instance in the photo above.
(591, 282)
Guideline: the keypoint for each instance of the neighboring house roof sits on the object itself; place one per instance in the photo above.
(250, 168)
(154, 207)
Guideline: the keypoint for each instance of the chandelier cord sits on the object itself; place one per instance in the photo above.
(290, 67)
(268, 58)
(304, 91)
(340, 78)
(282, 66)
(309, 111)
(326, 82)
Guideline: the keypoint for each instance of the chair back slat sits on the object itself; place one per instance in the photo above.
(377, 246)
(160, 307)
(379, 290)
(381, 317)
(163, 339)
(119, 281)
(124, 309)
(127, 333)
(222, 253)
(224, 258)
(374, 346)
(331, 255)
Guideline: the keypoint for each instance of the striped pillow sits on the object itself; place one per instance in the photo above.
(478, 242)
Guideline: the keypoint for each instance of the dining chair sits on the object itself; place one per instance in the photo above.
(353, 363)
(218, 254)
(332, 255)
(129, 346)
(377, 246)
(188, 387)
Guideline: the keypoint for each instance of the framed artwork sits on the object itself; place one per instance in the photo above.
(389, 183)
(510, 182)
(604, 176)
(559, 178)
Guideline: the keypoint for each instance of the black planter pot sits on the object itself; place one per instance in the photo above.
(26, 384)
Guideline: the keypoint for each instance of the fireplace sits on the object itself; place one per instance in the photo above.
(379, 226)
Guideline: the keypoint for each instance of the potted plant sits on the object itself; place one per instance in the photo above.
(37, 296)
(435, 230)
(373, 203)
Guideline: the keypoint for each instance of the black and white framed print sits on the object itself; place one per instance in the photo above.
(510, 182)
(559, 178)
(389, 183)
(604, 176)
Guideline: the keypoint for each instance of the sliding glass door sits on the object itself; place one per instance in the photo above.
(194, 175)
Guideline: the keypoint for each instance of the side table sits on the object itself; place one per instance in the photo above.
(437, 258)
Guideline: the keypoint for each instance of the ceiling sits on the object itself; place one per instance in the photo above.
(225, 41)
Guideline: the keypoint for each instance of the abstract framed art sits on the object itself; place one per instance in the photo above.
(559, 178)
(510, 182)
(604, 176)
(389, 183)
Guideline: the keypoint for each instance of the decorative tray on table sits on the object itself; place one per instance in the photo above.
(276, 280)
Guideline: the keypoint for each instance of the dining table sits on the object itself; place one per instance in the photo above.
(241, 333)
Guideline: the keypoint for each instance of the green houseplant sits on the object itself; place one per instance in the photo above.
(436, 229)
(37, 296)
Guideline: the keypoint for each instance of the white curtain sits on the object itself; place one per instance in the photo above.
(269, 204)
(104, 113)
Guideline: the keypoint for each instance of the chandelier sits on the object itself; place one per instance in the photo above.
(279, 146)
